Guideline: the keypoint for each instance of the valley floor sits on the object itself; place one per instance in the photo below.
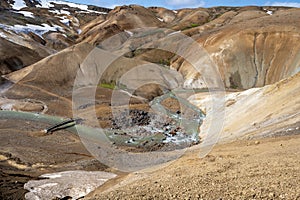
(264, 169)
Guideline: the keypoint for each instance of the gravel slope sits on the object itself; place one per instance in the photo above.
(265, 169)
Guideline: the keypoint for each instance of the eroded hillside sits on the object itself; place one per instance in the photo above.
(43, 27)
(251, 46)
(63, 60)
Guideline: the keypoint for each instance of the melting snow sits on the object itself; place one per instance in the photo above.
(82, 7)
(48, 4)
(45, 4)
(54, 175)
(173, 33)
(39, 30)
(18, 4)
(2, 35)
(60, 12)
(26, 13)
(7, 106)
(129, 32)
(269, 12)
(91, 11)
(94, 11)
(160, 19)
(65, 21)
(65, 12)
(74, 184)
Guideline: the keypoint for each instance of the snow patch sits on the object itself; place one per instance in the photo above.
(26, 13)
(39, 30)
(7, 106)
(18, 4)
(129, 32)
(74, 184)
(65, 12)
(91, 11)
(60, 12)
(65, 21)
(54, 175)
(45, 4)
(2, 35)
(160, 19)
(94, 11)
(269, 12)
(173, 33)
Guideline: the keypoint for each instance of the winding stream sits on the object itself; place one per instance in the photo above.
(114, 149)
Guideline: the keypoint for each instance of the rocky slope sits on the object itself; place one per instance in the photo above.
(257, 155)
(44, 45)
(267, 169)
(45, 27)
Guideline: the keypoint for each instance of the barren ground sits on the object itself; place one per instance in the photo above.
(265, 169)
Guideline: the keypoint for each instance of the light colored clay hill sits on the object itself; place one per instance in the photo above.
(50, 80)
(257, 154)
(252, 46)
(120, 19)
(256, 50)
(272, 110)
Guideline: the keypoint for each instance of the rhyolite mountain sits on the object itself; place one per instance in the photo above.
(43, 27)
(44, 45)
(251, 46)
